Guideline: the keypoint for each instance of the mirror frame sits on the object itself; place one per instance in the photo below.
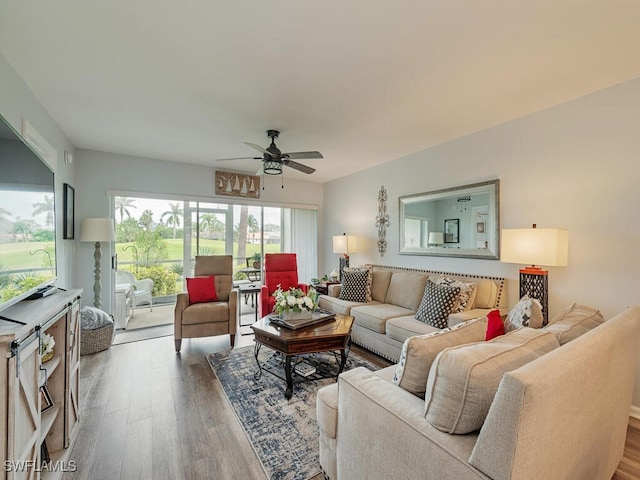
(492, 230)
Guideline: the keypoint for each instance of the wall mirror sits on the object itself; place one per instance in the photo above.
(454, 222)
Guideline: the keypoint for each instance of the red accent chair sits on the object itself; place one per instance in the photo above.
(279, 269)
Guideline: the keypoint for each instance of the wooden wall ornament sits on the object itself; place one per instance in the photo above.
(237, 184)
(382, 221)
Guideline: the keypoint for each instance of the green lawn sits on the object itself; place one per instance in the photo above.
(16, 256)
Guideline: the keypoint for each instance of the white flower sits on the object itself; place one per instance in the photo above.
(308, 302)
(291, 300)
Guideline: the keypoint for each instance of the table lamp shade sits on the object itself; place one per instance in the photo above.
(436, 237)
(97, 230)
(535, 246)
(345, 244)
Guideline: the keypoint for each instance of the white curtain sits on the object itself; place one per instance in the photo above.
(301, 237)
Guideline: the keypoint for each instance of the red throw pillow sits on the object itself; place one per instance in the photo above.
(202, 289)
(495, 327)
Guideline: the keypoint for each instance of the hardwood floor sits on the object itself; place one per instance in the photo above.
(149, 413)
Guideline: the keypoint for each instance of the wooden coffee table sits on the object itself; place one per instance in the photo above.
(332, 335)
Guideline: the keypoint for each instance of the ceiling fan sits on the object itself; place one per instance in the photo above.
(273, 159)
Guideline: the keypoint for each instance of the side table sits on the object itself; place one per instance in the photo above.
(323, 288)
(124, 304)
(251, 290)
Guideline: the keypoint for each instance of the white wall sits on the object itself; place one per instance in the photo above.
(98, 172)
(17, 103)
(573, 166)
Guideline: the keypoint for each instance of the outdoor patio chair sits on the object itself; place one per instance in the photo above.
(141, 288)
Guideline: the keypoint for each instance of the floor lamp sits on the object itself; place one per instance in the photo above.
(345, 244)
(97, 230)
(535, 246)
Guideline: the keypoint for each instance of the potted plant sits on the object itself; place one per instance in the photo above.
(256, 260)
(295, 303)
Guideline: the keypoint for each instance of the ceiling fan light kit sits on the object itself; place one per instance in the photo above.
(273, 159)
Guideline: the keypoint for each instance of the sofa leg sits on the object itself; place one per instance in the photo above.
(232, 338)
(178, 344)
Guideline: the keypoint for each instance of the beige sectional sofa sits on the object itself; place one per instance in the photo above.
(560, 416)
(383, 324)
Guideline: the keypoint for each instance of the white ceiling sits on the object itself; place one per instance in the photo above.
(362, 81)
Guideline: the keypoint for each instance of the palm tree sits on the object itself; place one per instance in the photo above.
(174, 216)
(22, 227)
(206, 222)
(45, 207)
(146, 219)
(123, 204)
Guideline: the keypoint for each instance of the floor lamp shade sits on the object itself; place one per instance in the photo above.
(535, 247)
(345, 244)
(97, 230)
(436, 238)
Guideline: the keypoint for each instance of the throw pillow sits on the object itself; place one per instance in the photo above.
(495, 327)
(573, 321)
(467, 293)
(202, 289)
(526, 313)
(354, 284)
(419, 352)
(463, 380)
(436, 305)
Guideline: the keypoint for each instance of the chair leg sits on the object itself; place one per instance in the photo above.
(232, 338)
(178, 344)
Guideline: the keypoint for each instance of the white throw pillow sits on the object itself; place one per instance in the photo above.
(526, 313)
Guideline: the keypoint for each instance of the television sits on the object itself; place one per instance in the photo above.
(27, 221)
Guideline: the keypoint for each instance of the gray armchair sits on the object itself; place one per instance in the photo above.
(213, 318)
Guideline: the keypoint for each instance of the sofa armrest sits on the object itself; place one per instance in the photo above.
(334, 290)
(378, 422)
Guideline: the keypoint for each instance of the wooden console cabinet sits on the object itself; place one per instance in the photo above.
(26, 422)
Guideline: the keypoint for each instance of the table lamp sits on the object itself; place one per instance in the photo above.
(535, 246)
(436, 238)
(97, 230)
(345, 244)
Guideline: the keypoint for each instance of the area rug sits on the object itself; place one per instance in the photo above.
(283, 433)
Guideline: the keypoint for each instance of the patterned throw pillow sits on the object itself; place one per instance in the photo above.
(526, 313)
(436, 305)
(467, 293)
(354, 285)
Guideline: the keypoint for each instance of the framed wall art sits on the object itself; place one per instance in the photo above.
(452, 230)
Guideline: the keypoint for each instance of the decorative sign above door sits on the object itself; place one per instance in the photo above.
(237, 184)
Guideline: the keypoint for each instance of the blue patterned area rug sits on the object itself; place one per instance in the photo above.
(283, 433)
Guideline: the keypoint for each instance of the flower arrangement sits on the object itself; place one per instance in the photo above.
(46, 347)
(295, 303)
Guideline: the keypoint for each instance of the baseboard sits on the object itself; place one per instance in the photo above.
(635, 412)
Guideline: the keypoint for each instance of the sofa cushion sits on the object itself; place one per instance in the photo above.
(573, 321)
(355, 284)
(437, 303)
(463, 380)
(380, 284)
(467, 292)
(486, 294)
(374, 317)
(401, 328)
(405, 289)
(419, 352)
(205, 313)
(526, 313)
(335, 305)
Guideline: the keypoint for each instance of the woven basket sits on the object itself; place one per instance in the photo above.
(94, 341)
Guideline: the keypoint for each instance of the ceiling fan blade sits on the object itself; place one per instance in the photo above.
(238, 158)
(303, 155)
(298, 166)
(258, 147)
